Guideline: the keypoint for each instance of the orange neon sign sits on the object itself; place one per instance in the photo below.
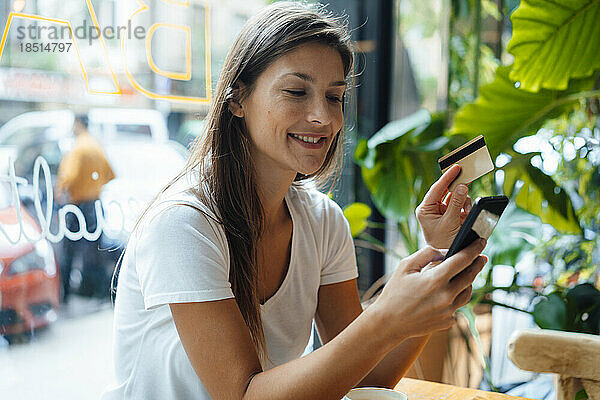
(142, 8)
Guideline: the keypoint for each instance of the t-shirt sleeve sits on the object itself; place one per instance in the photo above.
(181, 257)
(340, 257)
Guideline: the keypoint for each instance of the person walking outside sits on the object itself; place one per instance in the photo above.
(81, 175)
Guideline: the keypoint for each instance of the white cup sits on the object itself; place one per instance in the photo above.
(374, 394)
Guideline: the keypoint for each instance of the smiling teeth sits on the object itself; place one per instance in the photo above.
(307, 139)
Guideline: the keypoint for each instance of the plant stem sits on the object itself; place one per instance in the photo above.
(378, 245)
(495, 303)
(490, 289)
(563, 100)
(477, 31)
(376, 225)
(368, 245)
(410, 240)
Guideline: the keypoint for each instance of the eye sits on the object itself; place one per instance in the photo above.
(335, 99)
(297, 93)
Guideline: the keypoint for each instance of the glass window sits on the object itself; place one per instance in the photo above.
(140, 88)
(5, 195)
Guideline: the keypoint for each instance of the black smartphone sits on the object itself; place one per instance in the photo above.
(480, 222)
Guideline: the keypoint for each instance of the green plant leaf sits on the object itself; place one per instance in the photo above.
(537, 194)
(362, 155)
(388, 182)
(399, 163)
(469, 314)
(551, 312)
(586, 299)
(581, 395)
(517, 233)
(357, 214)
(396, 129)
(503, 113)
(554, 41)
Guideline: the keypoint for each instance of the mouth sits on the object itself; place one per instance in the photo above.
(311, 141)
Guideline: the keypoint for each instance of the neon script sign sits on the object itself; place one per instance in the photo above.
(45, 217)
(129, 44)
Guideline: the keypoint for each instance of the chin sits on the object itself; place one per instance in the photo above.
(309, 170)
(308, 165)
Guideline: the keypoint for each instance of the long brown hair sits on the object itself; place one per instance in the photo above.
(222, 155)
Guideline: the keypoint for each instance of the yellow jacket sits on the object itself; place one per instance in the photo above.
(84, 170)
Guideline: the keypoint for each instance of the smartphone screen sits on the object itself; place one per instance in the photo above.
(480, 222)
(485, 223)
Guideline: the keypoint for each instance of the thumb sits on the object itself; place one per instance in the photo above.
(457, 200)
(421, 258)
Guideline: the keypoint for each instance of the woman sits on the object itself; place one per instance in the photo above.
(226, 271)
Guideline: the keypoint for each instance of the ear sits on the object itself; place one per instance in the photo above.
(236, 108)
(234, 104)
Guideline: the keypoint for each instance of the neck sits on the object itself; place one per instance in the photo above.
(272, 187)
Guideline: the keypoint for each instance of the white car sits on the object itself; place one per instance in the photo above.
(136, 144)
(142, 168)
(112, 123)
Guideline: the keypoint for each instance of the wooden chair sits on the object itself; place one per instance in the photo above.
(575, 357)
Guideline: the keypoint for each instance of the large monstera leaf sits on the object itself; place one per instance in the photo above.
(399, 163)
(504, 113)
(539, 195)
(554, 41)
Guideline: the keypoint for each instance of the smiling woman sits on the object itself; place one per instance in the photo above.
(230, 264)
(294, 111)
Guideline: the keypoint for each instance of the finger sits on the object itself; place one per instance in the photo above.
(431, 265)
(466, 277)
(457, 200)
(446, 198)
(423, 257)
(468, 204)
(444, 323)
(443, 208)
(462, 298)
(437, 191)
(455, 264)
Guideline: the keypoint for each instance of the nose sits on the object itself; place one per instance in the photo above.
(319, 112)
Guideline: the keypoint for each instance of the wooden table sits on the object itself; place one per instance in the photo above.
(423, 390)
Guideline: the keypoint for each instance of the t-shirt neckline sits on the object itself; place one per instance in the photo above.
(287, 278)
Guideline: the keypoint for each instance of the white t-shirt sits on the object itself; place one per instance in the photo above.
(180, 255)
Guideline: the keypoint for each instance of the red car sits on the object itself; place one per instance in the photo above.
(29, 277)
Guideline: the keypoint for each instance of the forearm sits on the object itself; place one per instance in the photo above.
(396, 363)
(330, 371)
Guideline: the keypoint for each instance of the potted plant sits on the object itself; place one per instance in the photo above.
(553, 85)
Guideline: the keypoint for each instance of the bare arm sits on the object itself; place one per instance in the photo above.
(219, 347)
(338, 306)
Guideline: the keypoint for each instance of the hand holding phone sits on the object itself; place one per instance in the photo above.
(479, 223)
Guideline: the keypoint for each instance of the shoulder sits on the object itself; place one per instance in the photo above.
(178, 217)
(180, 202)
(179, 238)
(317, 205)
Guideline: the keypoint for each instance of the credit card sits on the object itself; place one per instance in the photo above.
(473, 158)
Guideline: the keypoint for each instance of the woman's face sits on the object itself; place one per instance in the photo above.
(295, 110)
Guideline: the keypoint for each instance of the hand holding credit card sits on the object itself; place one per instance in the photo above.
(473, 158)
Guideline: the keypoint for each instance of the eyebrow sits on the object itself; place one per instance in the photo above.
(309, 78)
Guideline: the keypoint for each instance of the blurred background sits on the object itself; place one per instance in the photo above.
(429, 76)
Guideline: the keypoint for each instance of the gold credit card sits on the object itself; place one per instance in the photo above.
(473, 158)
